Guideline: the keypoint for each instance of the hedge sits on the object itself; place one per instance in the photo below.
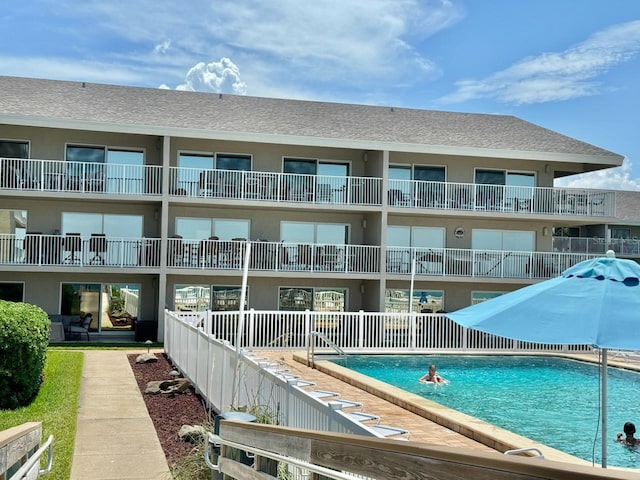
(24, 336)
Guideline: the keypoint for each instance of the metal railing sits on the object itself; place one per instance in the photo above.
(80, 177)
(352, 331)
(78, 251)
(480, 263)
(122, 179)
(275, 187)
(72, 249)
(273, 256)
(626, 247)
(501, 198)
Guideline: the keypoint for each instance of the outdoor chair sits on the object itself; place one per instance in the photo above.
(81, 328)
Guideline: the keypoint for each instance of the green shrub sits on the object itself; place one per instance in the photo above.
(24, 335)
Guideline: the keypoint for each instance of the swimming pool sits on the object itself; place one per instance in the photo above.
(554, 401)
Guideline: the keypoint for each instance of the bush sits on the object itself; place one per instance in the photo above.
(24, 336)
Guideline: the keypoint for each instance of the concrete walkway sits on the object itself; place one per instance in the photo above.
(115, 437)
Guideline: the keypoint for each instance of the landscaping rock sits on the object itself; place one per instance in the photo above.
(146, 358)
(178, 385)
(192, 433)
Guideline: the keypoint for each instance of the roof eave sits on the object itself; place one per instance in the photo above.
(612, 160)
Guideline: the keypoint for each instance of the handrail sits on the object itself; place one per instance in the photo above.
(311, 347)
(216, 441)
(25, 470)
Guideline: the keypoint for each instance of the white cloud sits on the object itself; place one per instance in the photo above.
(219, 77)
(556, 76)
(162, 47)
(618, 178)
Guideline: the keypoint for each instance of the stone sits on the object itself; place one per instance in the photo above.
(146, 358)
(193, 433)
(179, 385)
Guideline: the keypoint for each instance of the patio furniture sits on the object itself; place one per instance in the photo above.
(72, 245)
(97, 246)
(79, 329)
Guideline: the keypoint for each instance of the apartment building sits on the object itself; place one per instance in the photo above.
(123, 201)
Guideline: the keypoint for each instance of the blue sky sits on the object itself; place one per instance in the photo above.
(569, 65)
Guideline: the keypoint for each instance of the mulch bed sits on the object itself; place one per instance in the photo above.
(169, 412)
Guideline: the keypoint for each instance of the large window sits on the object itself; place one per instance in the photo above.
(309, 298)
(112, 225)
(492, 244)
(12, 291)
(100, 168)
(14, 149)
(203, 228)
(423, 301)
(113, 306)
(200, 298)
(518, 191)
(314, 233)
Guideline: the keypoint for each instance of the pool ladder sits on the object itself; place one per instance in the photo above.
(311, 348)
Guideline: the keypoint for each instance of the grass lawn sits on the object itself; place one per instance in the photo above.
(56, 406)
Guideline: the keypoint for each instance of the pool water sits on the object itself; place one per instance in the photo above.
(553, 401)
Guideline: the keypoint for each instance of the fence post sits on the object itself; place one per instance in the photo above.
(412, 330)
(361, 329)
(307, 327)
(251, 327)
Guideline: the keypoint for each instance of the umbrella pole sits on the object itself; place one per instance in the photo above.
(603, 405)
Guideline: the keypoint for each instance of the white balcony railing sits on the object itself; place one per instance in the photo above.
(626, 247)
(275, 187)
(501, 198)
(80, 177)
(480, 263)
(97, 250)
(273, 256)
(76, 250)
(122, 179)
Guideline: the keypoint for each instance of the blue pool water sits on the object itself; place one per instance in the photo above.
(553, 401)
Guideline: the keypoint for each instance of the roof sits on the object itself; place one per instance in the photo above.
(79, 105)
(627, 207)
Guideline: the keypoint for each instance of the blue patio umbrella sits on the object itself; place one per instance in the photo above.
(595, 302)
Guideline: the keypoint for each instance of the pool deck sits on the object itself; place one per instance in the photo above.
(427, 421)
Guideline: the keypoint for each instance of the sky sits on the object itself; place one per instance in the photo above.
(572, 66)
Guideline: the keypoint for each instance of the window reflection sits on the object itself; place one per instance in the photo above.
(423, 301)
(316, 299)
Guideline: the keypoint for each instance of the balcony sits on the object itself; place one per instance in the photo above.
(272, 256)
(80, 177)
(501, 198)
(274, 187)
(73, 250)
(624, 247)
(453, 262)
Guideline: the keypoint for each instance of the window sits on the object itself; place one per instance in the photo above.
(315, 233)
(14, 149)
(227, 161)
(429, 173)
(479, 297)
(512, 240)
(112, 225)
(419, 237)
(203, 228)
(126, 172)
(424, 301)
(200, 298)
(12, 291)
(518, 191)
(227, 298)
(192, 298)
(622, 233)
(114, 307)
(308, 298)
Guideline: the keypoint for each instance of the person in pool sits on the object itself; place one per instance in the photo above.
(629, 429)
(432, 376)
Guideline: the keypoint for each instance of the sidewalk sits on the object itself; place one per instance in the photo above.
(115, 438)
